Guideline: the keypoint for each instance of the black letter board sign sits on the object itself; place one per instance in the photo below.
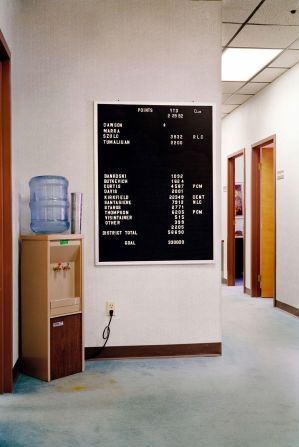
(154, 183)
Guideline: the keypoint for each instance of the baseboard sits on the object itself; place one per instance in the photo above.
(287, 308)
(16, 371)
(247, 291)
(223, 280)
(196, 349)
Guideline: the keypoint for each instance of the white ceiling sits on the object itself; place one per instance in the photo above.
(259, 24)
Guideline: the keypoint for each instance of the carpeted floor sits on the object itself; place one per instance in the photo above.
(249, 397)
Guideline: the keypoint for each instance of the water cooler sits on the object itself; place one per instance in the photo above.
(52, 305)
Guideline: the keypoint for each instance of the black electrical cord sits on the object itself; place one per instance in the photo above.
(106, 333)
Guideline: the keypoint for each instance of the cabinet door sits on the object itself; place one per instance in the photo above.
(66, 345)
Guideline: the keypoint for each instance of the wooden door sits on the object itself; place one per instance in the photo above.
(231, 245)
(267, 223)
(65, 345)
(6, 361)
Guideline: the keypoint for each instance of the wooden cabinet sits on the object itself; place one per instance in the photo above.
(51, 305)
(65, 345)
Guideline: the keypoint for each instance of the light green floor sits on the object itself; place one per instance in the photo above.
(248, 397)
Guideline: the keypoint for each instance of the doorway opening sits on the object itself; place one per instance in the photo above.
(263, 221)
(6, 379)
(236, 219)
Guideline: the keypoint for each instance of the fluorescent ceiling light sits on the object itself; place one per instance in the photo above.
(240, 64)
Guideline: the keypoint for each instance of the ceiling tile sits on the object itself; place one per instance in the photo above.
(277, 12)
(237, 99)
(228, 30)
(269, 74)
(225, 96)
(287, 59)
(252, 88)
(295, 45)
(231, 87)
(237, 10)
(227, 108)
(265, 36)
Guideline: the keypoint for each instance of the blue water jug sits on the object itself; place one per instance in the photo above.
(49, 204)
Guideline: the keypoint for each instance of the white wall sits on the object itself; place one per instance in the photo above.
(8, 20)
(274, 110)
(239, 169)
(74, 52)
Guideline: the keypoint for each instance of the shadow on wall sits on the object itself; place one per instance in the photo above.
(24, 215)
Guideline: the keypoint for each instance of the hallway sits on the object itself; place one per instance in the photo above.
(248, 397)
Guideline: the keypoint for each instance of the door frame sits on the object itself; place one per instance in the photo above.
(6, 324)
(256, 215)
(231, 243)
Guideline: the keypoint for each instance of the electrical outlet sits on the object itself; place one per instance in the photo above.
(110, 305)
